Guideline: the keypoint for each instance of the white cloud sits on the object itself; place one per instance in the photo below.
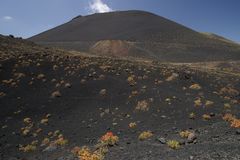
(7, 18)
(97, 6)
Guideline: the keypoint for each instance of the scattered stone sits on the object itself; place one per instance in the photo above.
(103, 92)
(191, 137)
(5, 126)
(114, 124)
(50, 148)
(102, 114)
(56, 94)
(162, 140)
(182, 142)
(68, 85)
(212, 114)
(238, 131)
(55, 67)
(107, 111)
(128, 142)
(68, 157)
(40, 76)
(195, 87)
(83, 81)
(163, 116)
(172, 77)
(2, 94)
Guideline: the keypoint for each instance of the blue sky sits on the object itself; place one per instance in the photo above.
(28, 17)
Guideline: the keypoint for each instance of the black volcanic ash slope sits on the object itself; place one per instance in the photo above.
(150, 33)
(129, 25)
(47, 98)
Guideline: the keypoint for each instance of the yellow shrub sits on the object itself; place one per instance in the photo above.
(235, 123)
(192, 115)
(145, 135)
(85, 153)
(27, 120)
(228, 117)
(195, 87)
(209, 103)
(142, 105)
(232, 119)
(185, 134)
(132, 125)
(172, 77)
(45, 141)
(44, 121)
(109, 139)
(227, 106)
(131, 80)
(25, 131)
(173, 144)
(198, 103)
(2, 94)
(61, 141)
(28, 148)
(206, 117)
(229, 91)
